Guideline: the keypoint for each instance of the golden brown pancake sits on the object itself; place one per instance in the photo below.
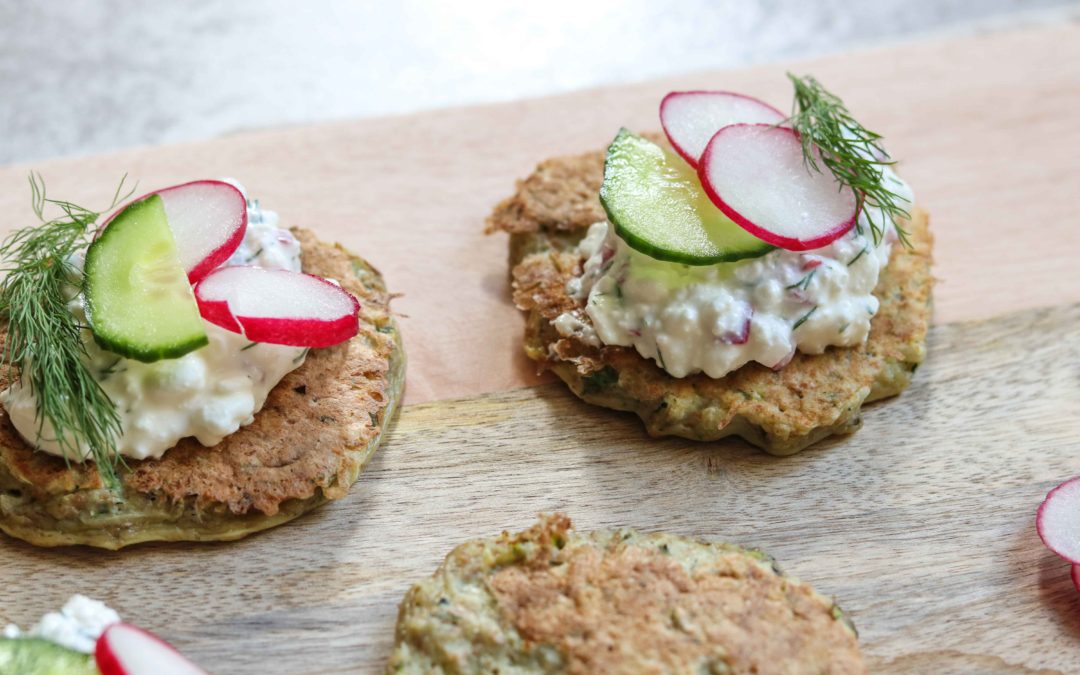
(783, 411)
(551, 600)
(318, 428)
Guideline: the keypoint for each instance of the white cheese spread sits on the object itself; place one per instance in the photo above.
(77, 626)
(208, 393)
(717, 318)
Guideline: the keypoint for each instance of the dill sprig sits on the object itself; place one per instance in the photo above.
(804, 318)
(850, 151)
(804, 283)
(44, 348)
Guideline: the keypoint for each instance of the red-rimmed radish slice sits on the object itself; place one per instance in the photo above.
(691, 118)
(756, 175)
(1058, 520)
(1075, 574)
(278, 306)
(126, 650)
(208, 219)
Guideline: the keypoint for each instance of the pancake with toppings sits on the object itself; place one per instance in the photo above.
(783, 411)
(318, 428)
(552, 600)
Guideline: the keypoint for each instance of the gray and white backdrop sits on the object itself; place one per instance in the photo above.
(84, 76)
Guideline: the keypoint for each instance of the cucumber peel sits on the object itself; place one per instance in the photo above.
(138, 298)
(35, 656)
(656, 203)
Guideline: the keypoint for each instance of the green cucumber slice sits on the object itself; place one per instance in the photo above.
(138, 298)
(657, 205)
(34, 656)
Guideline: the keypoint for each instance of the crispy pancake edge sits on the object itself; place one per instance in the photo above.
(318, 428)
(813, 397)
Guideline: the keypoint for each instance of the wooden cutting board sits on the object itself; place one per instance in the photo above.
(921, 524)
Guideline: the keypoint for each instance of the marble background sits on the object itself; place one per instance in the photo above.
(86, 76)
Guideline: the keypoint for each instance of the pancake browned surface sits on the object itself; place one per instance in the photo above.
(783, 412)
(307, 445)
(551, 600)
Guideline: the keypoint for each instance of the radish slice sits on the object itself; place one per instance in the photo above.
(1058, 520)
(691, 118)
(755, 174)
(278, 306)
(208, 219)
(126, 650)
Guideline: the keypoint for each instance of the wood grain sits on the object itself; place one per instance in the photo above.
(921, 524)
(985, 128)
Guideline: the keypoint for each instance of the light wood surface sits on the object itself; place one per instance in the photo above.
(921, 524)
(986, 131)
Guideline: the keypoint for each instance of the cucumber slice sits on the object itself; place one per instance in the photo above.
(657, 205)
(138, 298)
(34, 656)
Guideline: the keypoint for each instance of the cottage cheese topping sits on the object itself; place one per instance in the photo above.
(208, 393)
(77, 626)
(716, 318)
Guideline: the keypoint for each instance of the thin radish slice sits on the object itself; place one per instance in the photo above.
(756, 175)
(278, 306)
(1058, 520)
(691, 118)
(208, 219)
(124, 649)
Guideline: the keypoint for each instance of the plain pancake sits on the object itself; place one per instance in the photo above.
(551, 600)
(783, 411)
(307, 445)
